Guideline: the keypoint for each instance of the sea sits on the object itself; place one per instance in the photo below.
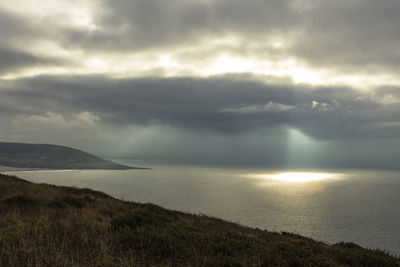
(360, 206)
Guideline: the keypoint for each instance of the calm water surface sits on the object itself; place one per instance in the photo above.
(357, 206)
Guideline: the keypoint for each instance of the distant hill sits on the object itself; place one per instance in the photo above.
(52, 157)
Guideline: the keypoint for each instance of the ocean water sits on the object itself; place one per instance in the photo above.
(331, 206)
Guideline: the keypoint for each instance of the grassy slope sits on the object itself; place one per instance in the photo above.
(45, 225)
(51, 157)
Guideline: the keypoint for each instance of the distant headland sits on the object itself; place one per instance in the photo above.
(17, 156)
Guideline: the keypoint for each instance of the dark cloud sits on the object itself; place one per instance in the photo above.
(360, 36)
(357, 34)
(18, 33)
(214, 104)
(282, 125)
(11, 60)
(329, 34)
(141, 25)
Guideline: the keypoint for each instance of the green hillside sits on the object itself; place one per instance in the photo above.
(45, 225)
(51, 157)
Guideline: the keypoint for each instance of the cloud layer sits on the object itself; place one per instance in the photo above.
(319, 41)
(226, 104)
(296, 82)
(186, 111)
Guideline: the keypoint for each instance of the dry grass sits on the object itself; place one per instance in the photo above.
(45, 225)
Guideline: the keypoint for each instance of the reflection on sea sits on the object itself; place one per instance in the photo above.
(296, 176)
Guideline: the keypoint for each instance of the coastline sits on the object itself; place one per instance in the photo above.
(5, 169)
(8, 169)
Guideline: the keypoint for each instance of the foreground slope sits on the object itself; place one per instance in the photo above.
(51, 157)
(45, 225)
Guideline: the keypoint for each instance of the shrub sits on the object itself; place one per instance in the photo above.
(74, 201)
(21, 201)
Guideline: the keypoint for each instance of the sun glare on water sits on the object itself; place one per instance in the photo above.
(297, 176)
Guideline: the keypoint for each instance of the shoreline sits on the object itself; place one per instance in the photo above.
(5, 169)
(8, 169)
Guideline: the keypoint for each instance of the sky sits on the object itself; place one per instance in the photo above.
(281, 83)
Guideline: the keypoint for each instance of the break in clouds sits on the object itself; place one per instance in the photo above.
(278, 83)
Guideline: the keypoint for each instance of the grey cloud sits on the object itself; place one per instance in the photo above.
(355, 34)
(138, 25)
(323, 113)
(21, 31)
(181, 118)
(11, 60)
(18, 33)
(12, 26)
(360, 36)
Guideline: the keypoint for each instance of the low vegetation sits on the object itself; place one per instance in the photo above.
(45, 225)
